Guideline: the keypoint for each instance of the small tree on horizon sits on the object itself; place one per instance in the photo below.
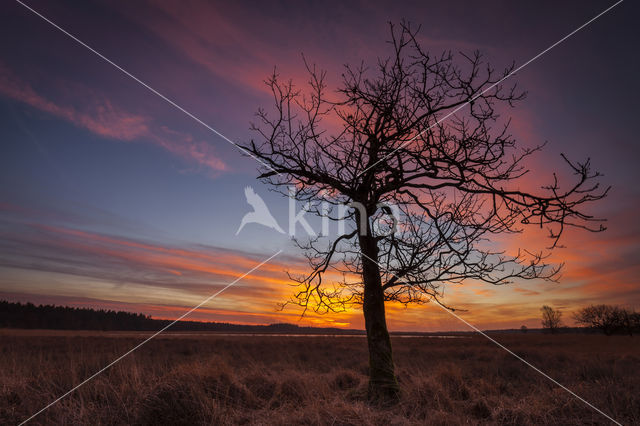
(382, 139)
(551, 318)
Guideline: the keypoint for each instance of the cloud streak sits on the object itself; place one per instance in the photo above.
(102, 118)
(163, 279)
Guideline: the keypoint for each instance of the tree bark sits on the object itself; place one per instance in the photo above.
(383, 386)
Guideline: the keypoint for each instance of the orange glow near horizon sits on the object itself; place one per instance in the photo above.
(180, 271)
(112, 197)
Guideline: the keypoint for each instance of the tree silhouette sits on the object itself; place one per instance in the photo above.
(421, 133)
(551, 318)
(609, 319)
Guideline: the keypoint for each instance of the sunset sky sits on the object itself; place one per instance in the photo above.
(110, 197)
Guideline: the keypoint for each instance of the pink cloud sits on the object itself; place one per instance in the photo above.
(238, 54)
(104, 119)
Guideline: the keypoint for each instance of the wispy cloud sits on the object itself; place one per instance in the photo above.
(53, 261)
(101, 117)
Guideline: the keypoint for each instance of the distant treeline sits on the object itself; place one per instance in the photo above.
(609, 319)
(30, 316)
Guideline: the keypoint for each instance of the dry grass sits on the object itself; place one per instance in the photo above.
(315, 380)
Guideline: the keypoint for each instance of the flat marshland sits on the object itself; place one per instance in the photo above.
(214, 379)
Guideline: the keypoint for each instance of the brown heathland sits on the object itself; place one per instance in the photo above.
(209, 379)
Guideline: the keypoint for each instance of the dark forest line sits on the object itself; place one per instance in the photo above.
(602, 319)
(52, 317)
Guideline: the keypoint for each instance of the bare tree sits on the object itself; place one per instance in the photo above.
(609, 319)
(551, 318)
(381, 139)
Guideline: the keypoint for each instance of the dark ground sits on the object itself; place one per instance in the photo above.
(209, 379)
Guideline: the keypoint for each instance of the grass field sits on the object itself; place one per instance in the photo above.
(208, 379)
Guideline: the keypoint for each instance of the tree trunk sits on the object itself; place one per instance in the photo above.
(383, 386)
